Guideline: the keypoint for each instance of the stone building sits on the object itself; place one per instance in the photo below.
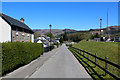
(12, 30)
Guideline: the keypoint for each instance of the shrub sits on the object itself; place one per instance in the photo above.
(61, 43)
(61, 40)
(18, 54)
(95, 36)
(57, 44)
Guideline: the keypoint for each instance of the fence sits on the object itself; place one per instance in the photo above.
(95, 62)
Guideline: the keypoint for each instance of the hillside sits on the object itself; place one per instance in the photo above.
(54, 31)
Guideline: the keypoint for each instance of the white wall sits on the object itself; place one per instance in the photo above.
(39, 41)
(5, 31)
(32, 38)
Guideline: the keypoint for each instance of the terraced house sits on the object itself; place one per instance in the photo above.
(12, 30)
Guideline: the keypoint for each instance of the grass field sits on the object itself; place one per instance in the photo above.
(103, 49)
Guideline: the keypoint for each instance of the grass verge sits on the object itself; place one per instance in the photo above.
(103, 49)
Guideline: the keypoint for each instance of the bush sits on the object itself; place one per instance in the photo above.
(57, 44)
(61, 39)
(95, 36)
(17, 54)
(61, 43)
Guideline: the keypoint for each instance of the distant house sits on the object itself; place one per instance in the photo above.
(38, 41)
(113, 29)
(12, 30)
(94, 31)
(117, 39)
(42, 40)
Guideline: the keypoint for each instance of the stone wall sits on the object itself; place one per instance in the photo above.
(21, 36)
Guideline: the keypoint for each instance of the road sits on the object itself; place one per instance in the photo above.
(58, 63)
(62, 65)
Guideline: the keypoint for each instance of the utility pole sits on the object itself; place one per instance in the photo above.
(107, 17)
(100, 28)
(107, 25)
(50, 36)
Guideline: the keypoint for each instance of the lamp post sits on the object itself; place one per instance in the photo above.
(100, 28)
(50, 35)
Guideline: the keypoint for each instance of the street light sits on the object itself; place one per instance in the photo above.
(50, 35)
(100, 28)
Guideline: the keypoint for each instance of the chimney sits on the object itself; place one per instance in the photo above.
(22, 20)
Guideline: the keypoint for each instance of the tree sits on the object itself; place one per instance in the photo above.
(50, 35)
(61, 39)
(97, 35)
(65, 38)
(92, 37)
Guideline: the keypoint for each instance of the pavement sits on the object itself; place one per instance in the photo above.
(58, 63)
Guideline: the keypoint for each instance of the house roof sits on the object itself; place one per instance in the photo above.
(14, 22)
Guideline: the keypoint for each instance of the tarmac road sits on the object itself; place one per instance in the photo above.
(61, 65)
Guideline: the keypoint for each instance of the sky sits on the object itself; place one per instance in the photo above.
(63, 15)
(60, 0)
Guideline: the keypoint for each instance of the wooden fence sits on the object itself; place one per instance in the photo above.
(95, 62)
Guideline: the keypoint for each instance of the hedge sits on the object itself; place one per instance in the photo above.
(17, 54)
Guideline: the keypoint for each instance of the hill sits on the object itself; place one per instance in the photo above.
(54, 31)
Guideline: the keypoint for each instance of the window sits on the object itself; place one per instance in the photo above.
(16, 31)
(23, 32)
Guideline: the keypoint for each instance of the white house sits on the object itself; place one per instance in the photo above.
(39, 41)
(12, 30)
(42, 40)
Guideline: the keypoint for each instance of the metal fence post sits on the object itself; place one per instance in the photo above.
(106, 65)
(95, 59)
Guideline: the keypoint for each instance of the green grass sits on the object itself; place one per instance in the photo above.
(103, 49)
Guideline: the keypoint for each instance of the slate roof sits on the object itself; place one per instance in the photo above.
(14, 22)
